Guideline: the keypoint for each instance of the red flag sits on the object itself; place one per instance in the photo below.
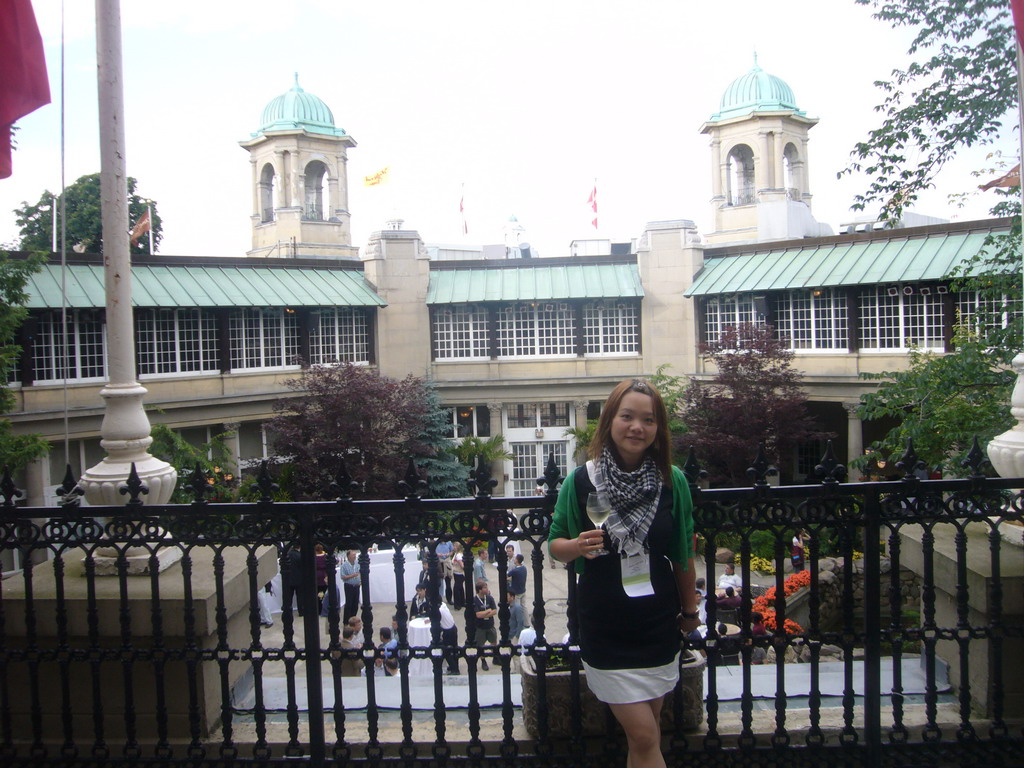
(24, 87)
(1010, 179)
(462, 213)
(1017, 7)
(142, 226)
(593, 200)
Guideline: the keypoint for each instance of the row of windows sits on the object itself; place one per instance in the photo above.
(177, 341)
(462, 332)
(887, 319)
(187, 340)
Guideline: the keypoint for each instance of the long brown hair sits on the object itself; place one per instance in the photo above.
(661, 449)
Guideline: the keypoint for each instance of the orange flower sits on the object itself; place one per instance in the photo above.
(772, 625)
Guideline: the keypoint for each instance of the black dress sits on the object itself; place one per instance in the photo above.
(621, 632)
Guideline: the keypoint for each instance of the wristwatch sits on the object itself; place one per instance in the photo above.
(687, 615)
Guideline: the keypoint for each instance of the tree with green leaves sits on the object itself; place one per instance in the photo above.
(673, 393)
(960, 91)
(83, 218)
(583, 436)
(471, 448)
(16, 451)
(212, 458)
(753, 399)
(942, 403)
(446, 476)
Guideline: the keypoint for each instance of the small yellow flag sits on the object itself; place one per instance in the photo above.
(380, 177)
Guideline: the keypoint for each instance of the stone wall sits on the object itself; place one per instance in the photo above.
(831, 601)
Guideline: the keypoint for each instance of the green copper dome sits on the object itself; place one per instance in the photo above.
(298, 110)
(756, 91)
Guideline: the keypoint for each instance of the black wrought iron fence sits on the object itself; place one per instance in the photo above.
(898, 647)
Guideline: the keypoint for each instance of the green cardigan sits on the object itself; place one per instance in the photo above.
(565, 523)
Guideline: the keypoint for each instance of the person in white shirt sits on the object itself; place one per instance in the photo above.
(729, 579)
(449, 638)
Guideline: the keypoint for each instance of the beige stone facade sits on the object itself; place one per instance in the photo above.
(293, 216)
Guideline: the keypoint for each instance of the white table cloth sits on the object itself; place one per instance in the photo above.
(419, 637)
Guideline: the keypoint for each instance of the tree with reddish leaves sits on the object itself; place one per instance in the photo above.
(373, 422)
(754, 398)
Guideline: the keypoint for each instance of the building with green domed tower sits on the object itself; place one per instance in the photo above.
(759, 155)
(300, 180)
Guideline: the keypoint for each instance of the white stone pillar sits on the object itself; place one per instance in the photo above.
(581, 423)
(37, 475)
(716, 168)
(1006, 451)
(854, 433)
(257, 198)
(234, 445)
(125, 428)
(762, 164)
(498, 468)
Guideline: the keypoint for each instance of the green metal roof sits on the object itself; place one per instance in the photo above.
(895, 259)
(200, 286)
(574, 281)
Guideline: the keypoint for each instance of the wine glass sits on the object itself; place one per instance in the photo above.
(598, 510)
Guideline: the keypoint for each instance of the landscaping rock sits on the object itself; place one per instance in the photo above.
(723, 555)
(831, 653)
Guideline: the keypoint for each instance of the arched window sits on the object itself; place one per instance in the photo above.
(791, 171)
(741, 175)
(268, 181)
(316, 180)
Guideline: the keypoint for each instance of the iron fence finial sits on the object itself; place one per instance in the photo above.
(829, 470)
(976, 460)
(759, 471)
(910, 463)
(133, 488)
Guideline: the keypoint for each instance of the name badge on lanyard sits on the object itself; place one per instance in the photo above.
(636, 574)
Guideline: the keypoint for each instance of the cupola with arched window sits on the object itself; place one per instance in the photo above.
(299, 163)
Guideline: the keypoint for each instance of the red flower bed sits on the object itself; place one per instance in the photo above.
(765, 604)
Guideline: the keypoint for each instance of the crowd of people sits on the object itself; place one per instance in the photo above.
(449, 583)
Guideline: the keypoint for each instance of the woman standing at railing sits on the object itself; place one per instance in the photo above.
(636, 579)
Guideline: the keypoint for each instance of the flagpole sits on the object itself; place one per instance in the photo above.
(1020, 134)
(149, 213)
(125, 429)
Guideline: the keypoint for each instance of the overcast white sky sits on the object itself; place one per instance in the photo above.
(524, 103)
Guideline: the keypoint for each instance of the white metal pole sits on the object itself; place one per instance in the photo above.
(125, 428)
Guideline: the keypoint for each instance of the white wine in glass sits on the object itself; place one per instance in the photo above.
(598, 510)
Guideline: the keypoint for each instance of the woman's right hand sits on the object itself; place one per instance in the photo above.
(590, 542)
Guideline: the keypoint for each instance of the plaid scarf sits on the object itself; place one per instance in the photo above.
(634, 497)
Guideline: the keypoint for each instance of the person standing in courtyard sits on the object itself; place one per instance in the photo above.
(485, 609)
(633, 602)
(352, 579)
(797, 550)
(517, 579)
(459, 576)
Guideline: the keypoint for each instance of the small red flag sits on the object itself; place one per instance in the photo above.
(25, 87)
(593, 201)
(462, 213)
(142, 226)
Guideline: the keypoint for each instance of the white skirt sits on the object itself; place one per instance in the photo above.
(628, 686)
